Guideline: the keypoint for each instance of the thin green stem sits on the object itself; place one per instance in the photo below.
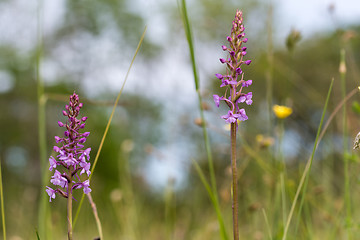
(43, 206)
(267, 223)
(109, 122)
(2, 204)
(270, 67)
(212, 198)
(235, 206)
(97, 219)
(305, 177)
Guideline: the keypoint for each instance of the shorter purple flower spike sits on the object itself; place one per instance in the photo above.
(71, 154)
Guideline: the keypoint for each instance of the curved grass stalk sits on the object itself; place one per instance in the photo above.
(108, 124)
(305, 177)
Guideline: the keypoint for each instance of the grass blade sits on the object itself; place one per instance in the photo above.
(188, 33)
(212, 198)
(37, 234)
(305, 177)
(108, 124)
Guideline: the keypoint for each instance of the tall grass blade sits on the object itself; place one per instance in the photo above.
(342, 71)
(37, 234)
(44, 209)
(212, 198)
(188, 33)
(267, 224)
(305, 177)
(108, 124)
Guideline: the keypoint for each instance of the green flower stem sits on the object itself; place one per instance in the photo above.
(235, 206)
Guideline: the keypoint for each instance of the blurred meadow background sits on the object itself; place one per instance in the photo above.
(145, 185)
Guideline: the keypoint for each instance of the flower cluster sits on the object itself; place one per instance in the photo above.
(234, 79)
(71, 154)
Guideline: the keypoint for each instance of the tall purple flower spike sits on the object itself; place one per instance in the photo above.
(234, 79)
(71, 155)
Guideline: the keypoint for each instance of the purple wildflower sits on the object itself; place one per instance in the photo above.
(52, 163)
(51, 192)
(234, 80)
(71, 154)
(217, 100)
(230, 117)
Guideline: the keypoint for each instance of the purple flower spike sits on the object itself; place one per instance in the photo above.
(71, 155)
(233, 81)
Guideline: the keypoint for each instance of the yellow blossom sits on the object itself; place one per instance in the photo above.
(282, 111)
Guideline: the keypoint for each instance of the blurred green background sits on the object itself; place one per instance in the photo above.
(144, 184)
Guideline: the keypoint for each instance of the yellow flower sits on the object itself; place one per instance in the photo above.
(282, 111)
